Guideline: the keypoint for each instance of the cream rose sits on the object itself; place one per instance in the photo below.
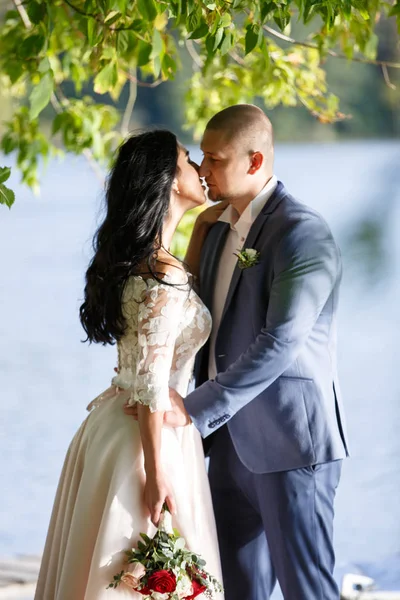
(165, 522)
(184, 586)
(132, 577)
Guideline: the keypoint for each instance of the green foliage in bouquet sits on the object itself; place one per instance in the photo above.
(166, 566)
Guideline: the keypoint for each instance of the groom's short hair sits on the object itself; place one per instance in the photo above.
(246, 124)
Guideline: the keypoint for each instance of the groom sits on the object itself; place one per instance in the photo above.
(268, 398)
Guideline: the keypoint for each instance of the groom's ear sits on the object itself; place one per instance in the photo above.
(256, 161)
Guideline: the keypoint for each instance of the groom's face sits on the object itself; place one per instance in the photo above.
(225, 165)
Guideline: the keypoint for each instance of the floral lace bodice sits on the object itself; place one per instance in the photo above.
(166, 326)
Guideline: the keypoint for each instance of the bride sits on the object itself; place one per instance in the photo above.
(118, 472)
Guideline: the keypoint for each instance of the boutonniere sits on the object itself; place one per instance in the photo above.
(247, 257)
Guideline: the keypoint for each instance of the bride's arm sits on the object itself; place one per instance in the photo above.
(159, 315)
(156, 488)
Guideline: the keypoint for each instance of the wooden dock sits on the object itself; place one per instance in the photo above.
(18, 576)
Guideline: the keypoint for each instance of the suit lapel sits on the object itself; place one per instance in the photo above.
(210, 259)
(252, 237)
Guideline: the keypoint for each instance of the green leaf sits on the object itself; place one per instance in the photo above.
(121, 5)
(364, 13)
(40, 95)
(8, 143)
(32, 45)
(282, 18)
(168, 67)
(112, 17)
(176, 10)
(91, 31)
(5, 173)
(200, 32)
(227, 43)
(226, 20)
(251, 39)
(58, 122)
(106, 79)
(14, 69)
(194, 20)
(44, 65)
(36, 11)
(158, 45)
(218, 37)
(147, 9)
(266, 9)
(308, 12)
(127, 43)
(210, 45)
(144, 53)
(122, 42)
(179, 544)
(7, 196)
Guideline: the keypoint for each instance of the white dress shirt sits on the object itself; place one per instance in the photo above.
(239, 230)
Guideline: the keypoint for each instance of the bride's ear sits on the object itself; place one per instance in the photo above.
(175, 187)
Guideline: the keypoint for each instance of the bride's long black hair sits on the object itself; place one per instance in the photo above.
(137, 201)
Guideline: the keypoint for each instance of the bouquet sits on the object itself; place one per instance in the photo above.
(164, 569)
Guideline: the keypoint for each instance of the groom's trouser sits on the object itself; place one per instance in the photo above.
(273, 526)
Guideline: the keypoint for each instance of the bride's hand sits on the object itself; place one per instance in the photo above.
(176, 417)
(156, 492)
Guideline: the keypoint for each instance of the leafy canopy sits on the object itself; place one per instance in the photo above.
(239, 50)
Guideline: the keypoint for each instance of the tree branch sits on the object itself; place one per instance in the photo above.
(387, 78)
(23, 14)
(237, 58)
(80, 11)
(367, 61)
(129, 107)
(195, 57)
(320, 116)
(96, 17)
(131, 77)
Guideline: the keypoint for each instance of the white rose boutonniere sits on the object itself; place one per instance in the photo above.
(247, 257)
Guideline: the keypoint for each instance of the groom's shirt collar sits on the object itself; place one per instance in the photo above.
(249, 215)
(237, 234)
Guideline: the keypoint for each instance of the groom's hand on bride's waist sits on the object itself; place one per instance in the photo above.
(176, 417)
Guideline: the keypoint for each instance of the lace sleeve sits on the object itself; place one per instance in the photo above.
(159, 315)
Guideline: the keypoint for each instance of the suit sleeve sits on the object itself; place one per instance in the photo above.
(306, 267)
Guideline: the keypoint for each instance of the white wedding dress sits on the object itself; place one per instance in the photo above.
(99, 510)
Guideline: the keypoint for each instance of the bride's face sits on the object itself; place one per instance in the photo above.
(188, 190)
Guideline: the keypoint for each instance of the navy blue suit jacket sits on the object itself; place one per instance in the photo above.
(277, 386)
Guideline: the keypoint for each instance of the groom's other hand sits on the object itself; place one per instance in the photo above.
(204, 222)
(178, 416)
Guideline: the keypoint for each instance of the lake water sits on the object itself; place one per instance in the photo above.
(47, 376)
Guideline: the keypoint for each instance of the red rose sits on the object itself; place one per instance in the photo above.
(198, 589)
(163, 582)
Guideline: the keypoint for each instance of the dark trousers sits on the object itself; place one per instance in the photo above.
(273, 526)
